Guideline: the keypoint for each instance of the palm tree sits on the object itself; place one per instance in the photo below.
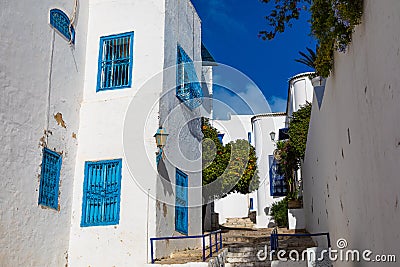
(308, 59)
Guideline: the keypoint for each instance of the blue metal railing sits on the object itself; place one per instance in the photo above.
(218, 241)
(275, 243)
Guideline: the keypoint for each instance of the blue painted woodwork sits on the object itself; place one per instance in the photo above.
(220, 137)
(251, 203)
(181, 202)
(249, 137)
(283, 134)
(61, 22)
(188, 88)
(278, 186)
(49, 179)
(115, 62)
(101, 193)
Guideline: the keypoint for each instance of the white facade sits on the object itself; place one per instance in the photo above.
(40, 76)
(351, 181)
(50, 100)
(263, 125)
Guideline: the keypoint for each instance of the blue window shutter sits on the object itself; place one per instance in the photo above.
(50, 179)
(181, 202)
(60, 21)
(101, 193)
(188, 87)
(115, 62)
(278, 186)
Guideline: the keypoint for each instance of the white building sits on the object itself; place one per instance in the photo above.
(86, 83)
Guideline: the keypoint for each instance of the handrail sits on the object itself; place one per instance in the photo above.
(203, 237)
(274, 238)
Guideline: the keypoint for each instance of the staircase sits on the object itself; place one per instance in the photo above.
(244, 244)
(243, 223)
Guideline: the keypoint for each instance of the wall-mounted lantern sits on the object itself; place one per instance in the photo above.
(161, 140)
(272, 134)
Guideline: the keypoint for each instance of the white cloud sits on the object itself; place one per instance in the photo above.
(277, 104)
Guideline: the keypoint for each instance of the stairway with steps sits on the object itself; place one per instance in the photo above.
(244, 244)
(244, 223)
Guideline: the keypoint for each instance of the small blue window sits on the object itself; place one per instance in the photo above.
(101, 193)
(115, 62)
(277, 182)
(251, 204)
(60, 21)
(181, 202)
(220, 137)
(50, 179)
(249, 137)
(283, 134)
(188, 88)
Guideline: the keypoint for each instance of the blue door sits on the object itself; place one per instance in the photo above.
(181, 202)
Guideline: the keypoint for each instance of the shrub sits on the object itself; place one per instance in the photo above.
(279, 211)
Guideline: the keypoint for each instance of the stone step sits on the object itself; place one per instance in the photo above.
(245, 239)
(250, 259)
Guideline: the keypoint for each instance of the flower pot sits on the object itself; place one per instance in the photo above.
(319, 89)
(295, 204)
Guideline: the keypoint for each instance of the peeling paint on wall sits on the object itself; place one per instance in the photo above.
(58, 117)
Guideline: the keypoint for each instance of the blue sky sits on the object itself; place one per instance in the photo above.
(230, 32)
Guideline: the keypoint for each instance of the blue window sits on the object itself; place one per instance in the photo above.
(188, 88)
(101, 193)
(115, 62)
(251, 203)
(277, 182)
(181, 202)
(220, 137)
(50, 179)
(249, 137)
(60, 21)
(283, 134)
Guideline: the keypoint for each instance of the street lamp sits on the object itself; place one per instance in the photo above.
(161, 140)
(272, 134)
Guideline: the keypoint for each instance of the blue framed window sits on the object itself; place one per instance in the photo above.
(283, 134)
(60, 21)
(251, 203)
(115, 62)
(278, 187)
(49, 179)
(249, 137)
(101, 193)
(188, 88)
(181, 202)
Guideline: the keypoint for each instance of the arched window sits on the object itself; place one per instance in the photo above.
(60, 21)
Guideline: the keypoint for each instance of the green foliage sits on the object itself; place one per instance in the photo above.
(233, 167)
(292, 151)
(279, 211)
(298, 130)
(332, 23)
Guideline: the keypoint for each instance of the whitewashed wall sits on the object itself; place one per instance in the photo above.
(37, 62)
(351, 181)
(234, 205)
(101, 134)
(263, 125)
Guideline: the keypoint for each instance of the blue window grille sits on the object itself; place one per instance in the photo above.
(50, 179)
(60, 21)
(188, 88)
(181, 202)
(249, 137)
(283, 134)
(220, 137)
(101, 193)
(278, 187)
(115, 62)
